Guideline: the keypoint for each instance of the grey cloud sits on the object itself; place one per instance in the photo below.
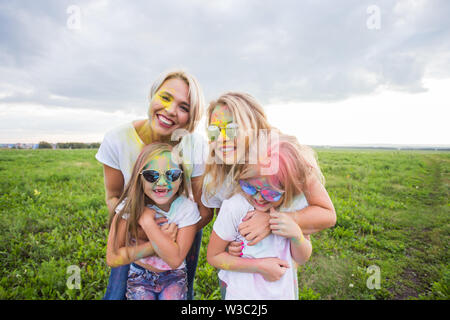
(277, 51)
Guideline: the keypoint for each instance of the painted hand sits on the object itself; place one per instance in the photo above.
(283, 225)
(235, 248)
(255, 226)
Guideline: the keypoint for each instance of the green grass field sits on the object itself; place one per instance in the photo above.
(392, 213)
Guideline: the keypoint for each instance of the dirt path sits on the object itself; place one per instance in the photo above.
(425, 236)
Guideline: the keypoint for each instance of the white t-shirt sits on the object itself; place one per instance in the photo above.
(121, 147)
(244, 285)
(183, 212)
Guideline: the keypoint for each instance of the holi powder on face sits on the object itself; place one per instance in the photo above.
(165, 99)
(161, 162)
(163, 189)
(265, 182)
(257, 200)
(221, 117)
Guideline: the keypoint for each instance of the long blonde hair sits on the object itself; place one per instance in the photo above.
(297, 164)
(135, 200)
(250, 117)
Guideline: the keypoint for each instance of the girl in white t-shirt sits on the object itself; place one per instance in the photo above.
(175, 107)
(237, 124)
(266, 270)
(156, 189)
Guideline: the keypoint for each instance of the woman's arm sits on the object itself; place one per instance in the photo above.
(319, 215)
(114, 181)
(205, 212)
(117, 254)
(173, 253)
(271, 269)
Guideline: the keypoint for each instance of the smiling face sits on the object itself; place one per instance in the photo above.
(169, 108)
(224, 142)
(163, 191)
(257, 200)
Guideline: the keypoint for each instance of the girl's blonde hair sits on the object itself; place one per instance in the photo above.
(296, 165)
(135, 200)
(196, 97)
(250, 117)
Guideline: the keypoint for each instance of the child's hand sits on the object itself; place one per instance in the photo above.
(161, 221)
(283, 225)
(255, 226)
(235, 248)
(170, 230)
(272, 269)
(147, 217)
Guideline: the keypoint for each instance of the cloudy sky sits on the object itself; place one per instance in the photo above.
(330, 72)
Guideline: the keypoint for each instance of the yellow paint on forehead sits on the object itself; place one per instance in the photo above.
(221, 116)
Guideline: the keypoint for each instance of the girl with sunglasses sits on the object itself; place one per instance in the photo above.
(175, 103)
(236, 122)
(268, 270)
(156, 189)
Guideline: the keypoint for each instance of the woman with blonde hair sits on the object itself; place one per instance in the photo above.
(266, 271)
(237, 126)
(235, 119)
(176, 104)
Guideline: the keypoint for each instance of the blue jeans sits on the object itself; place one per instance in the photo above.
(117, 283)
(223, 289)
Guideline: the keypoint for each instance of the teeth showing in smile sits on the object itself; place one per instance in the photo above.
(161, 192)
(260, 204)
(227, 149)
(165, 121)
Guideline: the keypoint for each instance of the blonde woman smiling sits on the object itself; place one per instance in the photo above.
(235, 123)
(176, 102)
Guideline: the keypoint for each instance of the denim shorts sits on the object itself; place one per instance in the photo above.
(117, 283)
(143, 284)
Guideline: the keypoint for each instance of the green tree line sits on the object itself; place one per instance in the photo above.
(69, 145)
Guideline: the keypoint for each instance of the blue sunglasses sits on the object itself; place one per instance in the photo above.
(267, 193)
